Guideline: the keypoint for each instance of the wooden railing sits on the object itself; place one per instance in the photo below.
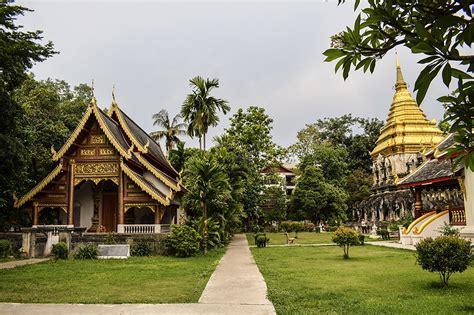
(457, 216)
(143, 228)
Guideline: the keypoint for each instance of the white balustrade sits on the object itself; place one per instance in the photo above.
(143, 228)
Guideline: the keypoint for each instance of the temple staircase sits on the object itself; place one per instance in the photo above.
(428, 225)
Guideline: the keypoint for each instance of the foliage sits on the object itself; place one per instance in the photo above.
(310, 227)
(345, 238)
(140, 249)
(215, 233)
(279, 238)
(86, 251)
(5, 248)
(60, 250)
(110, 238)
(200, 108)
(384, 234)
(172, 129)
(183, 241)
(180, 155)
(261, 239)
(275, 199)
(317, 199)
(440, 30)
(445, 255)
(207, 189)
(361, 239)
(448, 230)
(20, 50)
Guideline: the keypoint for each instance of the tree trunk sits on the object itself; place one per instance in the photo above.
(200, 143)
(204, 141)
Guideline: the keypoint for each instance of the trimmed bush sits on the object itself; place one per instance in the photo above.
(86, 251)
(345, 238)
(5, 248)
(110, 238)
(309, 227)
(445, 255)
(60, 250)
(140, 249)
(183, 241)
(261, 239)
(361, 239)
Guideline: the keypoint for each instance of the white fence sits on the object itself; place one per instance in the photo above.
(143, 228)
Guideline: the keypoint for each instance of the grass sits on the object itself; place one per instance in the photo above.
(303, 238)
(155, 279)
(375, 280)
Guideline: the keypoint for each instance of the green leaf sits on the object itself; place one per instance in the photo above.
(447, 74)
(356, 4)
(460, 74)
(423, 47)
(428, 59)
(333, 54)
(421, 30)
(425, 84)
(372, 66)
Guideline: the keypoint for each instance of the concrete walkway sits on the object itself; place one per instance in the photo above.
(17, 263)
(235, 287)
(391, 244)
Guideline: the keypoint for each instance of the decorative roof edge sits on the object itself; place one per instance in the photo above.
(400, 182)
(55, 172)
(92, 109)
(131, 174)
(158, 173)
(115, 109)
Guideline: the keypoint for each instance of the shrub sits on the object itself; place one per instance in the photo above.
(445, 255)
(140, 249)
(110, 238)
(86, 251)
(384, 234)
(345, 238)
(183, 241)
(448, 230)
(261, 239)
(5, 248)
(361, 239)
(60, 250)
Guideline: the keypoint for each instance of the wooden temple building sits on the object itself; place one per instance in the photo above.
(110, 176)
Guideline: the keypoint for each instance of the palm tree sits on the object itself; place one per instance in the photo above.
(200, 109)
(207, 184)
(171, 130)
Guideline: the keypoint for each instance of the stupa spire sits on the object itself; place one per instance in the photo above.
(400, 83)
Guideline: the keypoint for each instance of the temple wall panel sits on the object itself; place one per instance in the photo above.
(83, 196)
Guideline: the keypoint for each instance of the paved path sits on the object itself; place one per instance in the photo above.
(392, 244)
(23, 262)
(235, 287)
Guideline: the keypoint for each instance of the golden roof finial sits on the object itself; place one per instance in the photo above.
(113, 94)
(400, 83)
(93, 100)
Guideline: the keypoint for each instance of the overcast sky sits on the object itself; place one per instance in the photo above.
(267, 54)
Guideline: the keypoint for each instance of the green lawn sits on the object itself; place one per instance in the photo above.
(136, 280)
(303, 238)
(375, 280)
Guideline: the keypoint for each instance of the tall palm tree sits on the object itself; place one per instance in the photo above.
(207, 184)
(171, 129)
(200, 109)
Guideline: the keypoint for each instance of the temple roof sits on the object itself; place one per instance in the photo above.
(406, 130)
(140, 138)
(436, 168)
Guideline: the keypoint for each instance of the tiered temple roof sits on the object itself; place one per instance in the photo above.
(141, 159)
(407, 130)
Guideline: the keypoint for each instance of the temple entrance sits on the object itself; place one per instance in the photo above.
(109, 211)
(143, 215)
(52, 216)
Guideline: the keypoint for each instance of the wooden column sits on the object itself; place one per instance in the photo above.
(120, 216)
(70, 207)
(158, 215)
(35, 213)
(418, 202)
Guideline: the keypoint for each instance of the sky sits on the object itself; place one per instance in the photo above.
(264, 53)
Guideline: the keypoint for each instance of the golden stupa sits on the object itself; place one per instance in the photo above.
(407, 130)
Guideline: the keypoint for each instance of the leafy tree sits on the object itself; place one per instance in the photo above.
(200, 108)
(275, 199)
(172, 129)
(439, 30)
(445, 255)
(208, 187)
(345, 238)
(249, 141)
(317, 199)
(19, 51)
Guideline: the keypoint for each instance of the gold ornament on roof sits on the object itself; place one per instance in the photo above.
(406, 130)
